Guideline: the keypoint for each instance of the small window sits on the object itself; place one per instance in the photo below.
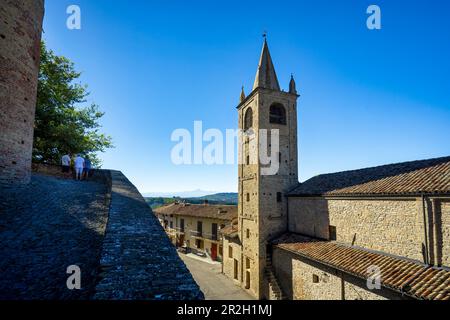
(248, 233)
(248, 197)
(199, 228)
(279, 157)
(171, 224)
(248, 121)
(247, 160)
(315, 278)
(182, 225)
(279, 197)
(199, 244)
(333, 233)
(215, 234)
(247, 263)
(230, 252)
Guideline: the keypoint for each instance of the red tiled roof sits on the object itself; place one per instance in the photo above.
(221, 212)
(408, 178)
(231, 230)
(409, 277)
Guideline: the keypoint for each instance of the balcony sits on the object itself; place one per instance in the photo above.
(174, 230)
(204, 235)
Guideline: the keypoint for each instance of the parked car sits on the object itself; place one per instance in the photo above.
(184, 250)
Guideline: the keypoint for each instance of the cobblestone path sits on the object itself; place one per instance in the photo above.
(46, 227)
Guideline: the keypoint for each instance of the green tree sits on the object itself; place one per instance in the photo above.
(62, 124)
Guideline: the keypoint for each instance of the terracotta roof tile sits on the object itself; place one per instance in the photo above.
(222, 212)
(231, 230)
(426, 176)
(407, 276)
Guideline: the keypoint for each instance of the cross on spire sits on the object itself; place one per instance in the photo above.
(265, 35)
(266, 76)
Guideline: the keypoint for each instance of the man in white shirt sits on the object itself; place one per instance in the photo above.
(65, 162)
(79, 166)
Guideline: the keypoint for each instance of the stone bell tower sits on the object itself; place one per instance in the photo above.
(263, 184)
(20, 36)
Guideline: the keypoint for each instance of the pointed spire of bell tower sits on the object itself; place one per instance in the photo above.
(292, 85)
(242, 98)
(266, 76)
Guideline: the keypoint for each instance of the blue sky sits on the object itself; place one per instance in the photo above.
(367, 97)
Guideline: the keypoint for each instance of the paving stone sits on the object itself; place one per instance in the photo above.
(138, 260)
(45, 227)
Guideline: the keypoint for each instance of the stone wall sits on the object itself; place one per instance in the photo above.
(20, 34)
(98, 175)
(444, 239)
(395, 226)
(138, 262)
(259, 210)
(392, 225)
(296, 277)
(228, 262)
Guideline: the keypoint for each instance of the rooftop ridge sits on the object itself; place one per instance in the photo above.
(430, 176)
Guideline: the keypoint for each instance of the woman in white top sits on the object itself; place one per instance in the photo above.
(79, 166)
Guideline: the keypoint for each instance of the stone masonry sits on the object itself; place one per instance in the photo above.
(262, 206)
(138, 261)
(296, 276)
(20, 34)
(399, 210)
(46, 226)
(392, 225)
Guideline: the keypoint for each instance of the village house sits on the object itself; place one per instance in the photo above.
(197, 226)
(375, 233)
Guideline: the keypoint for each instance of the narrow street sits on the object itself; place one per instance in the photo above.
(212, 282)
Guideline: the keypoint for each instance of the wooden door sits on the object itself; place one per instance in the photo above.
(214, 252)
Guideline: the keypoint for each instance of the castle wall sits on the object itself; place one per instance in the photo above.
(20, 34)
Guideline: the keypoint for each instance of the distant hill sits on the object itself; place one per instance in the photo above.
(184, 194)
(217, 198)
(230, 198)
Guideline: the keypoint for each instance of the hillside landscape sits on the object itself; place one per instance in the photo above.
(218, 198)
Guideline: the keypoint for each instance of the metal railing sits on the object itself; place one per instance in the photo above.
(174, 230)
(204, 235)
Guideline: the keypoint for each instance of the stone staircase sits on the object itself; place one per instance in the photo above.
(275, 292)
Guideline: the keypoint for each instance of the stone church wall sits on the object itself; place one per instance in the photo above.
(394, 226)
(445, 238)
(296, 277)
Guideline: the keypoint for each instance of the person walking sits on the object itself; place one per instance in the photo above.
(87, 167)
(79, 167)
(65, 162)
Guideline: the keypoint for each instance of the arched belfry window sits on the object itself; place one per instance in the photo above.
(248, 121)
(277, 114)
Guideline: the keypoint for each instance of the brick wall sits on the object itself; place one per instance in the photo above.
(20, 34)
